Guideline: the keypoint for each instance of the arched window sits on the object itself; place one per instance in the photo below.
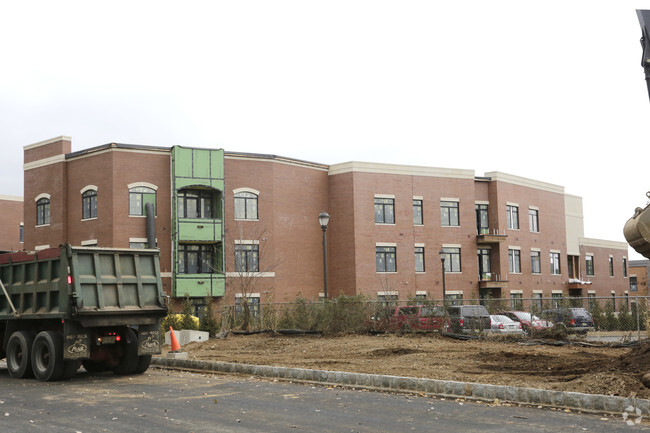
(89, 204)
(43, 211)
(245, 205)
(139, 196)
(196, 203)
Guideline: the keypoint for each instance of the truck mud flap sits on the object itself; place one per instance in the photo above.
(149, 340)
(76, 342)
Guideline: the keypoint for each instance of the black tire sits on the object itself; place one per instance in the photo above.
(19, 346)
(129, 360)
(94, 366)
(47, 356)
(143, 364)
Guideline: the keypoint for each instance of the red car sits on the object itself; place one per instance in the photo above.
(411, 317)
(525, 319)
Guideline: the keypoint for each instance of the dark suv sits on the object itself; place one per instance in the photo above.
(575, 320)
(468, 319)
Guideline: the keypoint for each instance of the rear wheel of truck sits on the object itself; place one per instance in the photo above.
(143, 364)
(129, 360)
(47, 356)
(19, 346)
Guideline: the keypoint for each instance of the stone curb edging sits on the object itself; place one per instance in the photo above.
(441, 388)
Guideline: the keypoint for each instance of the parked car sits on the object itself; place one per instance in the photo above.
(467, 319)
(410, 317)
(536, 324)
(505, 325)
(575, 320)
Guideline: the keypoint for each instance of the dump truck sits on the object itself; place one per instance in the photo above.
(64, 307)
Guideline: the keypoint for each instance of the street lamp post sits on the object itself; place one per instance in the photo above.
(443, 254)
(323, 220)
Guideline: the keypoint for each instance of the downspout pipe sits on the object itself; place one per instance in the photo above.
(151, 225)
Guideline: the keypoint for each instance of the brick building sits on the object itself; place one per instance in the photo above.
(11, 228)
(639, 277)
(231, 224)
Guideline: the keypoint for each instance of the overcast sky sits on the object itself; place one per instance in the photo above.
(551, 90)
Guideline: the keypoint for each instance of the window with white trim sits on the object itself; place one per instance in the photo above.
(139, 196)
(89, 204)
(43, 211)
(246, 205)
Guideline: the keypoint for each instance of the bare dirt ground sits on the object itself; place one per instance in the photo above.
(595, 370)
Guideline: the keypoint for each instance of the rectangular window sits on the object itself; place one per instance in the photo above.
(624, 267)
(512, 216)
(592, 300)
(419, 259)
(195, 259)
(611, 266)
(514, 261)
(452, 259)
(555, 263)
(387, 300)
(385, 210)
(386, 259)
(449, 213)
(22, 233)
(634, 287)
(556, 300)
(516, 301)
(417, 212)
(537, 301)
(482, 222)
(589, 266)
(253, 303)
(484, 268)
(454, 299)
(535, 262)
(247, 258)
(533, 220)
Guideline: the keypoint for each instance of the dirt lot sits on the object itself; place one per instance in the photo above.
(596, 370)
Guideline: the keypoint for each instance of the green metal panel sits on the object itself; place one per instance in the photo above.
(200, 285)
(199, 230)
(198, 169)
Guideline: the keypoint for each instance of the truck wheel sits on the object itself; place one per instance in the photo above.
(19, 346)
(47, 356)
(143, 364)
(129, 360)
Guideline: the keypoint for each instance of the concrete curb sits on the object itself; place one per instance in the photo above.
(440, 388)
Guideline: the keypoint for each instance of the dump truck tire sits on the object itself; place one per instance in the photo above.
(19, 347)
(47, 356)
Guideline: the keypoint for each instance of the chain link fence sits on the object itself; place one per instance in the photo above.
(597, 319)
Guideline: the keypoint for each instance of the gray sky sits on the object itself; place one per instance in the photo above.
(552, 90)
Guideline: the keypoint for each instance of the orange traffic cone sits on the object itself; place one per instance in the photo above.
(175, 346)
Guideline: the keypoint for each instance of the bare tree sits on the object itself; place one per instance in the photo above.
(253, 261)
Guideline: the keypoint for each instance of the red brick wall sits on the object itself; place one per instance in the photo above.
(290, 199)
(11, 209)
